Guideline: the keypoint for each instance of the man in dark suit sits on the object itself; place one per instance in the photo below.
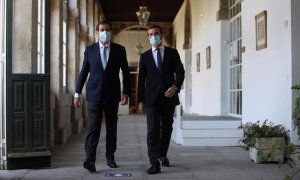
(161, 75)
(102, 62)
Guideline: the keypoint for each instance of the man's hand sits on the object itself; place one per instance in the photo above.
(141, 108)
(171, 91)
(77, 102)
(124, 100)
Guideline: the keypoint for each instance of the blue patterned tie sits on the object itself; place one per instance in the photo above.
(104, 59)
(159, 61)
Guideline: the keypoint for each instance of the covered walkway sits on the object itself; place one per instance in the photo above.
(207, 163)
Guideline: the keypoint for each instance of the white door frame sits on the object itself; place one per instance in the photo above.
(188, 81)
(2, 84)
(235, 60)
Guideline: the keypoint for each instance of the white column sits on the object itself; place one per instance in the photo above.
(83, 15)
(90, 20)
(73, 34)
(61, 112)
(83, 42)
(56, 46)
(73, 60)
(2, 85)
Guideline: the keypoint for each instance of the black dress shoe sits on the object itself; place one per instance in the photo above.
(112, 163)
(89, 166)
(164, 161)
(154, 169)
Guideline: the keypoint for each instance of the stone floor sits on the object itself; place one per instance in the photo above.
(202, 163)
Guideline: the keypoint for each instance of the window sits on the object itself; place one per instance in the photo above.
(235, 59)
(40, 37)
(64, 53)
(64, 46)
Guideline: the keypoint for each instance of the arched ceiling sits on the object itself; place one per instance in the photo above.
(125, 10)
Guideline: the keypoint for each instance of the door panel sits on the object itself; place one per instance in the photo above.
(28, 89)
(29, 114)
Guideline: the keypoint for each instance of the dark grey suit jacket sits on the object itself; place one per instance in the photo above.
(151, 82)
(104, 84)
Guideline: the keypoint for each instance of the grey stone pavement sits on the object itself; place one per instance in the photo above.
(201, 163)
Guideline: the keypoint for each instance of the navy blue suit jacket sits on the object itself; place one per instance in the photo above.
(104, 84)
(151, 82)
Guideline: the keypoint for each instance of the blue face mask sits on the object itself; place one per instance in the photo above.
(155, 40)
(104, 36)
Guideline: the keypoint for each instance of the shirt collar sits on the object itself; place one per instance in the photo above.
(162, 47)
(107, 45)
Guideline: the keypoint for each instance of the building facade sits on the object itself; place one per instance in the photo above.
(241, 58)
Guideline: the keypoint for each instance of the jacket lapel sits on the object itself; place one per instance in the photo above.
(166, 57)
(152, 60)
(111, 52)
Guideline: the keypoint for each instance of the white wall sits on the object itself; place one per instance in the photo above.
(206, 31)
(129, 39)
(207, 82)
(267, 73)
(22, 55)
(179, 36)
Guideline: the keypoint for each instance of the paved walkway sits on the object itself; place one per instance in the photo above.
(201, 163)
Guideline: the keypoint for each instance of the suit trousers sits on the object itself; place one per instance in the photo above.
(95, 113)
(159, 128)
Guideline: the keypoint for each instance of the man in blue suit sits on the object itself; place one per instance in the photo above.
(102, 62)
(161, 75)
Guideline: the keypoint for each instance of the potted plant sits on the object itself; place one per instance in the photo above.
(296, 112)
(296, 122)
(266, 142)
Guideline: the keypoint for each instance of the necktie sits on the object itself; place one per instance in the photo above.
(104, 59)
(159, 61)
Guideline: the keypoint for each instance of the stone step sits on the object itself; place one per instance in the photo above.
(210, 141)
(210, 122)
(217, 124)
(208, 131)
(213, 133)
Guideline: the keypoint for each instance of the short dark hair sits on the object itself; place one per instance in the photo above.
(155, 26)
(103, 22)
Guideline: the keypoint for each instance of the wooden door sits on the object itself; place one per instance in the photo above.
(28, 86)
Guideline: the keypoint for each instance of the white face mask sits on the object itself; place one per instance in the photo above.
(104, 36)
(155, 40)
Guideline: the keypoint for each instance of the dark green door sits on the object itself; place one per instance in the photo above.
(28, 86)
